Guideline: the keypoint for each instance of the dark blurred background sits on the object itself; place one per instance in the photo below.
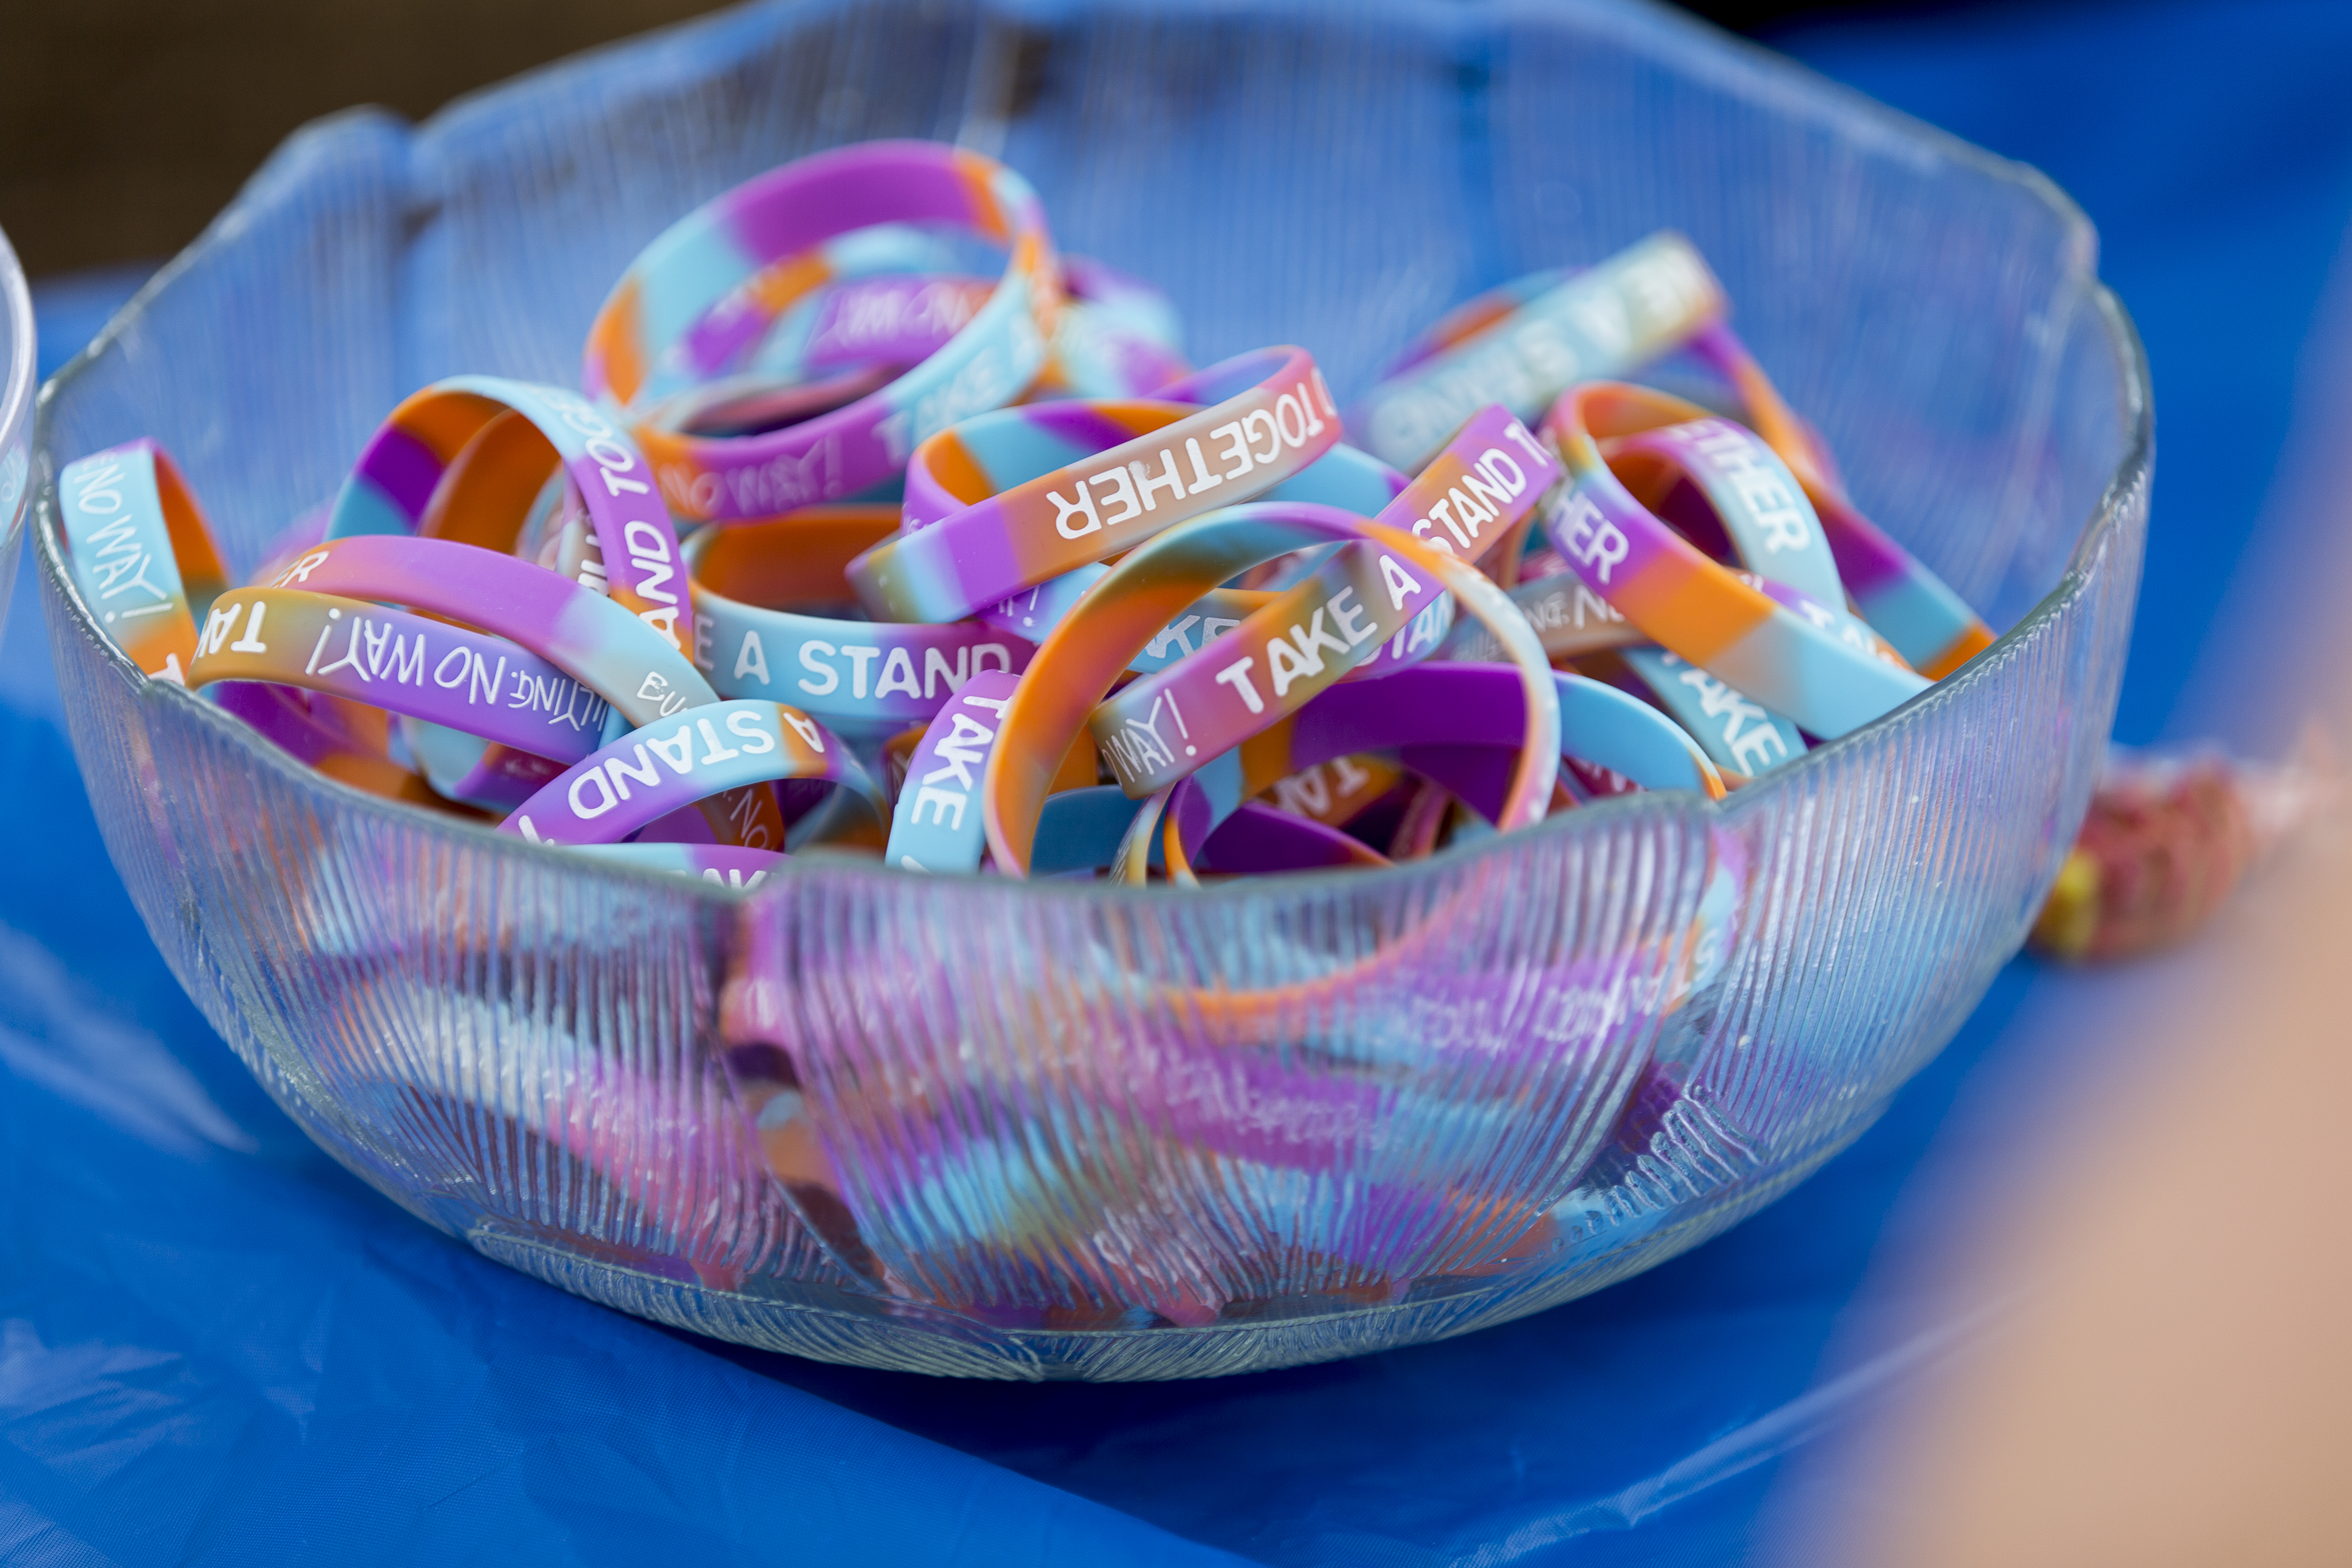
(125, 124)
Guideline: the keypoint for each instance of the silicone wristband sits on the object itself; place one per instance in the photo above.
(1763, 510)
(769, 395)
(393, 483)
(1474, 316)
(670, 290)
(951, 838)
(580, 632)
(1737, 732)
(759, 332)
(934, 826)
(862, 677)
(463, 767)
(1119, 336)
(1843, 624)
(1264, 840)
(1447, 721)
(504, 485)
(1749, 515)
(484, 685)
(1571, 619)
(1115, 336)
(1084, 831)
(1077, 664)
(1757, 504)
(1343, 477)
(1602, 321)
(1336, 792)
(1931, 627)
(1479, 488)
(142, 553)
(897, 319)
(701, 753)
(1685, 601)
(999, 543)
(729, 866)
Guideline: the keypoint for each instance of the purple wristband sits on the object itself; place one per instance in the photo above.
(968, 544)
(393, 483)
(862, 677)
(1340, 620)
(483, 685)
(651, 772)
(576, 629)
(669, 291)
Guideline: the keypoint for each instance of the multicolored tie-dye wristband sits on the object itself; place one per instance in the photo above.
(935, 826)
(1458, 727)
(1119, 336)
(1270, 416)
(702, 755)
(864, 678)
(1342, 477)
(1600, 321)
(805, 312)
(1116, 336)
(1931, 627)
(1742, 500)
(1686, 602)
(580, 632)
(142, 553)
(486, 774)
(1460, 724)
(669, 295)
(1571, 620)
(1075, 666)
(1741, 491)
(1738, 735)
(862, 300)
(403, 663)
(1340, 619)
(1768, 522)
(1749, 507)
(394, 484)
(836, 336)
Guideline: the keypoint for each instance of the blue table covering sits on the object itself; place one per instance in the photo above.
(216, 1347)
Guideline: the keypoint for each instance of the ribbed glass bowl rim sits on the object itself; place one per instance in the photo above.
(17, 387)
(2131, 474)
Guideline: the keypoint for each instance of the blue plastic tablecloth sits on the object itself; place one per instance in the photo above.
(217, 1347)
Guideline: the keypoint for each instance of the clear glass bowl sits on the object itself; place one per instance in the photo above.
(1066, 1130)
(17, 361)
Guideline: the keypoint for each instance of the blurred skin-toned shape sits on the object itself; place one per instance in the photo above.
(2174, 1384)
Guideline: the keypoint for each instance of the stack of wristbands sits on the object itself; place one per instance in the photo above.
(842, 548)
